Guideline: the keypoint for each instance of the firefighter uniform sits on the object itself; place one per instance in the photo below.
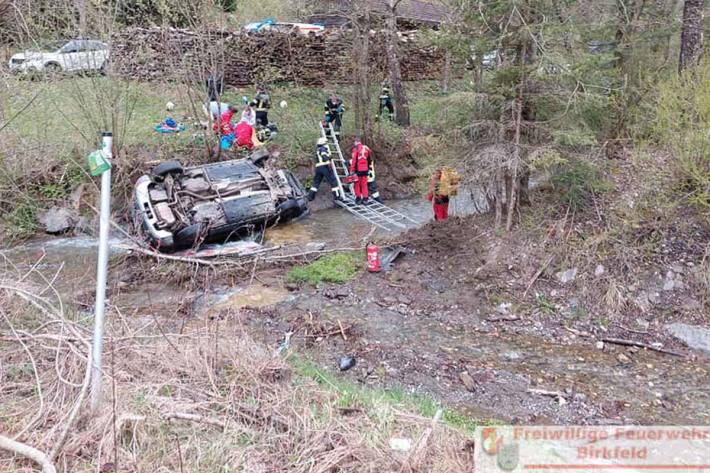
(262, 104)
(371, 183)
(440, 202)
(324, 170)
(334, 114)
(360, 166)
(386, 102)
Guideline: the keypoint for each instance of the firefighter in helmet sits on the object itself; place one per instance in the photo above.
(261, 104)
(323, 170)
(386, 102)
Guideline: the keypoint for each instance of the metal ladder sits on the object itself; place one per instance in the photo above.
(340, 166)
(376, 213)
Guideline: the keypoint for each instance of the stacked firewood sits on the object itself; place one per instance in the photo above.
(269, 57)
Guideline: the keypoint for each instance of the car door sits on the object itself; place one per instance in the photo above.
(95, 55)
(69, 56)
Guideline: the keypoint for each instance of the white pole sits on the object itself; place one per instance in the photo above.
(101, 270)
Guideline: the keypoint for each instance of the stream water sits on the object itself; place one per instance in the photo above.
(422, 353)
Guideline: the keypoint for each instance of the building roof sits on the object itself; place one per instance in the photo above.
(418, 11)
(415, 11)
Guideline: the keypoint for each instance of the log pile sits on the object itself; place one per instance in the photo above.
(270, 57)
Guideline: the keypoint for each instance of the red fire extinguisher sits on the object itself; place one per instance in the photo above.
(373, 258)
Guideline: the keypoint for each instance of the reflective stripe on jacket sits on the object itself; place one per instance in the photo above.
(262, 102)
(323, 156)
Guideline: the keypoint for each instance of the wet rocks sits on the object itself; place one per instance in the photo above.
(59, 220)
(694, 336)
(346, 363)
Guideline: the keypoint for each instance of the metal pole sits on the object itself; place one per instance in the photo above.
(101, 271)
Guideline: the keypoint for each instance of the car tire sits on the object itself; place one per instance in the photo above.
(259, 156)
(52, 69)
(289, 210)
(188, 236)
(103, 70)
(167, 168)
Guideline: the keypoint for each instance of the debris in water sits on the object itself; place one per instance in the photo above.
(346, 363)
(389, 255)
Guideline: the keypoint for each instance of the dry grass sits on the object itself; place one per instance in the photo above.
(206, 399)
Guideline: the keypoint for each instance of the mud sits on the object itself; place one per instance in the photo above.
(420, 326)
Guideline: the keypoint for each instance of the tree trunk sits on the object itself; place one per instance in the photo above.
(81, 7)
(361, 53)
(446, 73)
(692, 36)
(400, 97)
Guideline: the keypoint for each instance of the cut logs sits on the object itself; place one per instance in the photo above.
(268, 57)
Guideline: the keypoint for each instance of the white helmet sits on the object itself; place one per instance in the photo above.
(322, 141)
(169, 106)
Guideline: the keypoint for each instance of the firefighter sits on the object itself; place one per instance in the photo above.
(371, 183)
(324, 170)
(386, 102)
(360, 166)
(439, 201)
(262, 104)
(334, 113)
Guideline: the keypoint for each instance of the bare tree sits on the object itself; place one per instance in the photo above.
(361, 21)
(400, 96)
(692, 36)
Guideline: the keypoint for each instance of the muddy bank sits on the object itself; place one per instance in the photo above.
(457, 319)
(428, 325)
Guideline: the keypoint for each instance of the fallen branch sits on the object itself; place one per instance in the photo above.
(195, 418)
(421, 444)
(537, 275)
(308, 253)
(632, 343)
(157, 255)
(342, 331)
(545, 392)
(37, 456)
(503, 318)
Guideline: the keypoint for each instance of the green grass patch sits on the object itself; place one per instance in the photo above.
(336, 268)
(372, 399)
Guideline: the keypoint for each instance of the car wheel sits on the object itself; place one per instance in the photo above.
(188, 236)
(166, 168)
(103, 70)
(259, 156)
(52, 69)
(289, 210)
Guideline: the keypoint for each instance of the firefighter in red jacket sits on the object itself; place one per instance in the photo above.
(440, 202)
(360, 166)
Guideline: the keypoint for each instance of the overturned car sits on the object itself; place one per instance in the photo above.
(181, 207)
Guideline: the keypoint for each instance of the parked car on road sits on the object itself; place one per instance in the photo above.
(77, 55)
(181, 207)
(284, 27)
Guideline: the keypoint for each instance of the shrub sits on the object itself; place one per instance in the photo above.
(574, 179)
(682, 120)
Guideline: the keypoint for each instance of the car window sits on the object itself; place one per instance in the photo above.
(95, 46)
(70, 47)
(75, 46)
